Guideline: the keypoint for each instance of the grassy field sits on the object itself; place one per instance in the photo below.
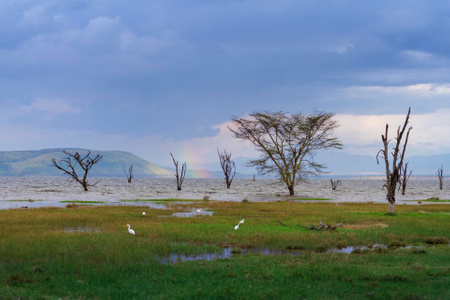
(87, 253)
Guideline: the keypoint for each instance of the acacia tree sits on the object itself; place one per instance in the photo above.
(287, 142)
(393, 174)
(228, 166)
(69, 166)
(179, 174)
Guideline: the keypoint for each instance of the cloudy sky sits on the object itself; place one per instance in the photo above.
(154, 77)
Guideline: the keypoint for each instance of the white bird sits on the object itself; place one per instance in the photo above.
(143, 213)
(198, 211)
(236, 227)
(241, 222)
(130, 231)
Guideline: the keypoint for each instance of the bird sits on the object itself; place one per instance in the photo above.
(143, 213)
(130, 231)
(198, 211)
(237, 226)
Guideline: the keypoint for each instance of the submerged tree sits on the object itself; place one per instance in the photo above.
(404, 177)
(287, 142)
(440, 175)
(228, 166)
(334, 184)
(69, 166)
(398, 154)
(179, 174)
(129, 173)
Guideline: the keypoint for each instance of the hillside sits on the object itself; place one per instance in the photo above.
(38, 163)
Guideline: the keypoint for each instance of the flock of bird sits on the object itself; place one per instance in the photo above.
(198, 211)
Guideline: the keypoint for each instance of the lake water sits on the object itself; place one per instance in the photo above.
(53, 190)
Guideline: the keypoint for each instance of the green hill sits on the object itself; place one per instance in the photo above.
(38, 163)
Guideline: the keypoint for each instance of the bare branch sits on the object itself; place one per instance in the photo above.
(69, 163)
(179, 175)
(228, 166)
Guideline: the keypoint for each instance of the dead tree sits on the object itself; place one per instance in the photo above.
(69, 166)
(228, 166)
(322, 226)
(404, 177)
(129, 173)
(334, 184)
(398, 154)
(179, 175)
(440, 175)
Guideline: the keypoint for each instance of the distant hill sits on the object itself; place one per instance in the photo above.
(38, 163)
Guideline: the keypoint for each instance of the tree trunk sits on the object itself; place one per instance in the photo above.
(391, 208)
(291, 190)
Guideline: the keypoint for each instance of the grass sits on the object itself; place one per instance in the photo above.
(41, 259)
(23, 200)
(432, 199)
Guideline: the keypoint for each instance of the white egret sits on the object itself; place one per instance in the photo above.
(143, 213)
(241, 222)
(236, 227)
(198, 211)
(130, 231)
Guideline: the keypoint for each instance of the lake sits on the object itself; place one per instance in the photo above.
(52, 190)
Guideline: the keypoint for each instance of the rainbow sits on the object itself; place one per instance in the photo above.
(193, 161)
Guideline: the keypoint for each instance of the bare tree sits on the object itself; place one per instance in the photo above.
(180, 175)
(440, 175)
(129, 173)
(334, 184)
(398, 154)
(404, 177)
(69, 166)
(228, 166)
(287, 142)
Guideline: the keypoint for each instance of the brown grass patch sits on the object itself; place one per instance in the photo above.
(364, 226)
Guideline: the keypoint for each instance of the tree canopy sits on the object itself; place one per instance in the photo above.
(287, 143)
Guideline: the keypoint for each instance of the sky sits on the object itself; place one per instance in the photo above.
(155, 77)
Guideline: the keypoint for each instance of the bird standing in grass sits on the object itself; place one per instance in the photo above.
(130, 231)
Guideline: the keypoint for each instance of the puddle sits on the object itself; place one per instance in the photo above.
(226, 253)
(81, 230)
(193, 213)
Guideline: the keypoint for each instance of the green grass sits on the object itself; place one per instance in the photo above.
(433, 199)
(41, 259)
(23, 200)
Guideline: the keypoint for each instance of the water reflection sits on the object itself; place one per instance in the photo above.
(193, 213)
(226, 253)
(81, 230)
